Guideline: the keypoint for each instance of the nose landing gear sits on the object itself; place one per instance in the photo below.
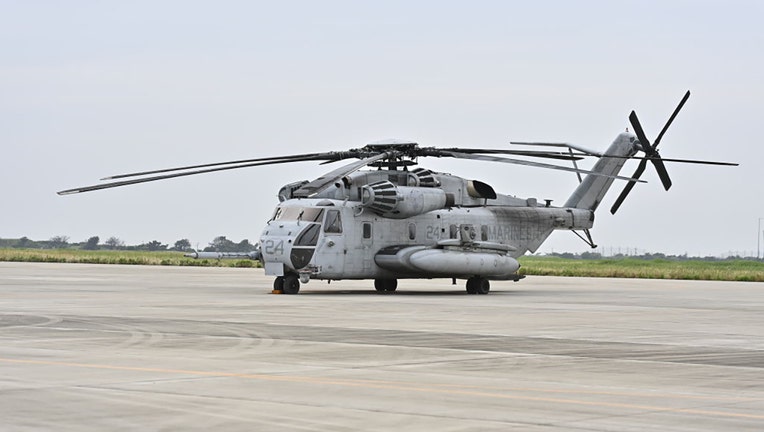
(289, 284)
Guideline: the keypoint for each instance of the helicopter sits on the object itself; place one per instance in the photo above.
(398, 220)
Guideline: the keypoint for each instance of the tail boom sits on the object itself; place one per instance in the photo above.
(589, 194)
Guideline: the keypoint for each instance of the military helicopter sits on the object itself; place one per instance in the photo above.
(400, 221)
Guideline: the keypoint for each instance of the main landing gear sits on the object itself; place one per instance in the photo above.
(385, 285)
(478, 285)
(289, 284)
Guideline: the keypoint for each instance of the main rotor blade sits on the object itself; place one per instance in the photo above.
(325, 180)
(534, 164)
(629, 186)
(671, 119)
(692, 161)
(689, 161)
(583, 150)
(168, 176)
(311, 156)
(531, 153)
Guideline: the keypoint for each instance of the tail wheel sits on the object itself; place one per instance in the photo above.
(385, 285)
(291, 284)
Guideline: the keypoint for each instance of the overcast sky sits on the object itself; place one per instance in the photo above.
(94, 88)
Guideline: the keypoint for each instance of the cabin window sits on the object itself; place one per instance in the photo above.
(412, 231)
(453, 231)
(367, 230)
(333, 223)
(484, 232)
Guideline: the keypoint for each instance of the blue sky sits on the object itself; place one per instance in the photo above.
(93, 88)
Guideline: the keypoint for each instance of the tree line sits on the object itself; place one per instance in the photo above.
(219, 244)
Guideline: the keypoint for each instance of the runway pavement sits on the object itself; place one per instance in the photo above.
(100, 347)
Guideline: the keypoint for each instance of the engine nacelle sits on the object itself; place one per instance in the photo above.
(401, 202)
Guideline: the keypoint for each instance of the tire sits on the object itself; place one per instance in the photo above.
(278, 284)
(478, 285)
(471, 288)
(483, 286)
(385, 285)
(291, 284)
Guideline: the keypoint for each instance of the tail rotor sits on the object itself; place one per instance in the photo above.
(651, 154)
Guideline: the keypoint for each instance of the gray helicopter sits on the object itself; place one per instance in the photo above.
(400, 221)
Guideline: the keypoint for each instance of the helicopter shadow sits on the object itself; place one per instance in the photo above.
(414, 293)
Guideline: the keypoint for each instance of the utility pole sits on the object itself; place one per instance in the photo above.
(758, 240)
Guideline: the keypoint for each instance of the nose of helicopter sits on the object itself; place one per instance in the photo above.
(289, 244)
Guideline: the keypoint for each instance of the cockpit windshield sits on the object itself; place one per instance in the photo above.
(307, 214)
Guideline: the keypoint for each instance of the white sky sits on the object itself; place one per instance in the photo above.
(94, 88)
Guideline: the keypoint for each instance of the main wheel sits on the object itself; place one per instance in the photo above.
(291, 284)
(385, 285)
(483, 286)
(471, 289)
(478, 285)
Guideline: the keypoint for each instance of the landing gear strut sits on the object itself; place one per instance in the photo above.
(385, 285)
(478, 285)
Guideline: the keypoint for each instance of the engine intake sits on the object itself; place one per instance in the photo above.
(401, 202)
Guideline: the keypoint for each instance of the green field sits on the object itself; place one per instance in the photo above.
(726, 270)
(165, 258)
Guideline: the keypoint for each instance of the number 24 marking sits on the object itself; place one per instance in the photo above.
(273, 247)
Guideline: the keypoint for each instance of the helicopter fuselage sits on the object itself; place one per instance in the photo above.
(333, 239)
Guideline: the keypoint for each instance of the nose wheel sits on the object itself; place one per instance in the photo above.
(289, 284)
(478, 285)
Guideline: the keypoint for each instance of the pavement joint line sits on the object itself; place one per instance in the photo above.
(391, 386)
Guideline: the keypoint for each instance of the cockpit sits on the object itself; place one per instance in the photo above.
(298, 231)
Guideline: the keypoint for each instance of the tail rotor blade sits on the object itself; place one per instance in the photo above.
(671, 119)
(640, 133)
(661, 168)
(629, 186)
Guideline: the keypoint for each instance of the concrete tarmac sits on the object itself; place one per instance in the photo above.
(99, 347)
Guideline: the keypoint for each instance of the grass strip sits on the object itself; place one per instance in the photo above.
(165, 258)
(726, 270)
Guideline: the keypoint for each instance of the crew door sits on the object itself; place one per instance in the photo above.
(331, 253)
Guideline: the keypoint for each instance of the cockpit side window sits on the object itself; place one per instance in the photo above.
(333, 224)
(313, 215)
(309, 237)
